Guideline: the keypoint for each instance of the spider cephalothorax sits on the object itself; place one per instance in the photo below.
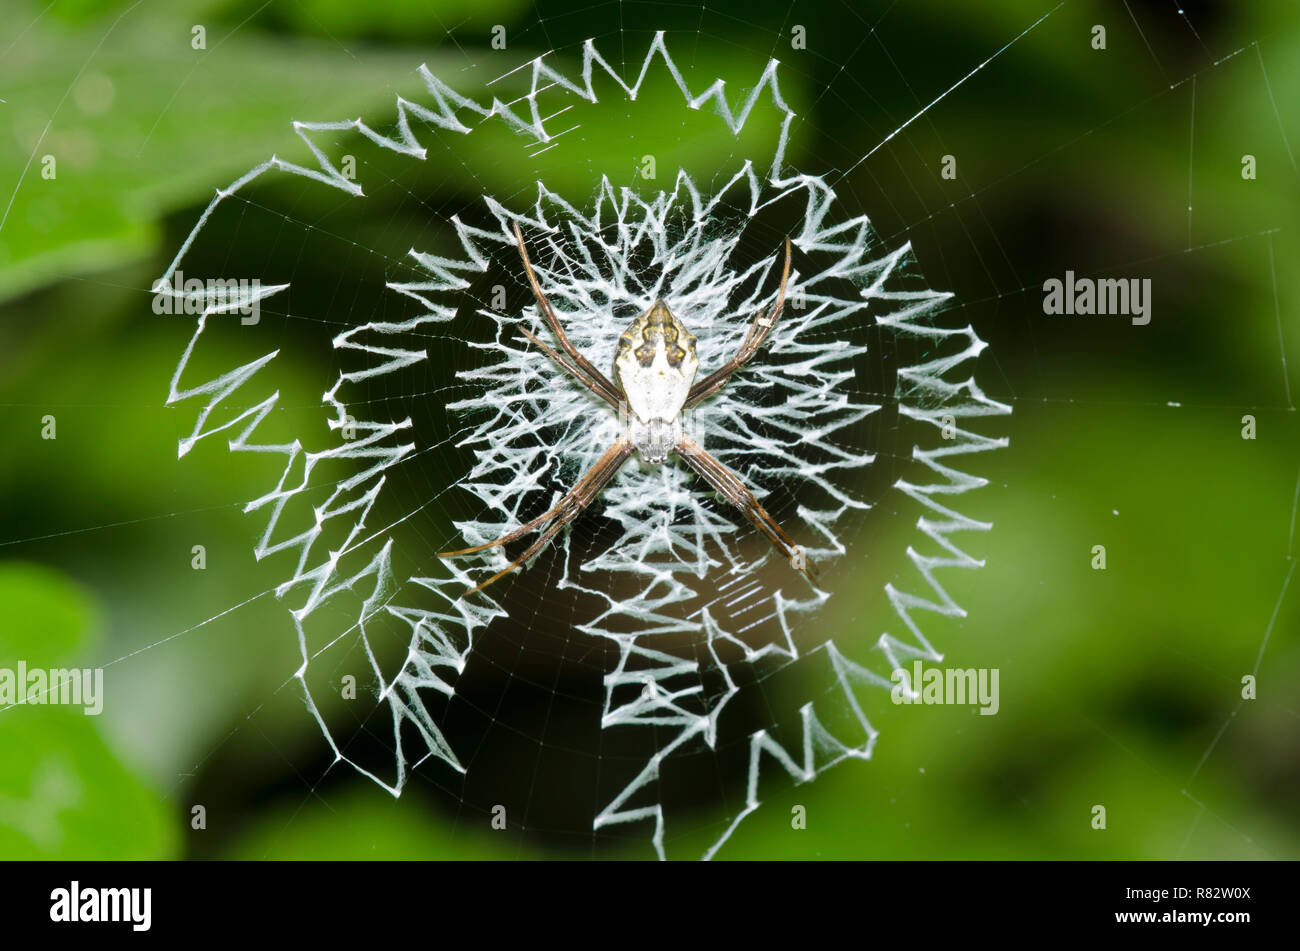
(655, 366)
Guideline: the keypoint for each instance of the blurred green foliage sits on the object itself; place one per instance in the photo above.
(1114, 684)
(129, 148)
(64, 793)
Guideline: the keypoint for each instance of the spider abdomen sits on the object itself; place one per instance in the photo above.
(655, 365)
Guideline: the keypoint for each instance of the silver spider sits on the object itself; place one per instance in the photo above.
(655, 367)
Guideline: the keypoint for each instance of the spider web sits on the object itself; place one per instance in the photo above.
(1178, 70)
(672, 566)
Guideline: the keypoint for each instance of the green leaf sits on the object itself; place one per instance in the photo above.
(64, 794)
(368, 824)
(47, 618)
(121, 121)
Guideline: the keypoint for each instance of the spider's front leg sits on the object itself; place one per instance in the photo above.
(569, 508)
(758, 331)
(575, 363)
(736, 492)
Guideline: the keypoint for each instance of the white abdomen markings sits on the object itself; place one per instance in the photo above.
(655, 365)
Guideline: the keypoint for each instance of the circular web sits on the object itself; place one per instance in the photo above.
(363, 386)
(664, 590)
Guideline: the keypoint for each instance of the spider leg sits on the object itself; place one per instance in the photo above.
(735, 492)
(618, 451)
(567, 364)
(510, 536)
(579, 366)
(569, 508)
(758, 331)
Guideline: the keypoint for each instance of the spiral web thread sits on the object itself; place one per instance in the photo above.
(529, 419)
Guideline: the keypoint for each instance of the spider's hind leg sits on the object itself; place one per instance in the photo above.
(734, 491)
(505, 539)
(569, 508)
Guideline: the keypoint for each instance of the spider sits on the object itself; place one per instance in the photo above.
(655, 365)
